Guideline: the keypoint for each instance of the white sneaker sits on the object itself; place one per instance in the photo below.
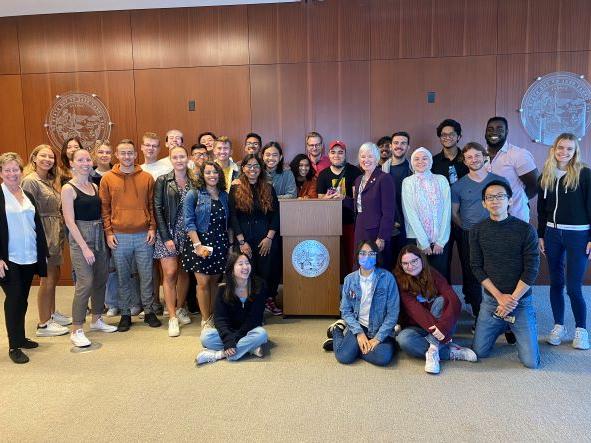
(460, 353)
(51, 329)
(112, 312)
(258, 352)
(173, 327)
(101, 326)
(432, 361)
(78, 338)
(135, 310)
(556, 335)
(206, 356)
(183, 316)
(61, 319)
(581, 340)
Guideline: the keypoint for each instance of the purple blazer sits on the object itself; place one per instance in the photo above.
(378, 201)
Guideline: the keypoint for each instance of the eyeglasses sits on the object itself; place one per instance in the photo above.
(252, 167)
(252, 144)
(449, 135)
(201, 155)
(317, 145)
(367, 254)
(497, 197)
(408, 264)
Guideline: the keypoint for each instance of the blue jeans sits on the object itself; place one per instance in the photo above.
(134, 247)
(210, 339)
(415, 340)
(561, 244)
(525, 329)
(346, 349)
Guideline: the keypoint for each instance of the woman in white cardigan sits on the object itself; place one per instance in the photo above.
(426, 204)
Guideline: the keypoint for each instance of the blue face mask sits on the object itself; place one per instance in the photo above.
(242, 299)
(367, 262)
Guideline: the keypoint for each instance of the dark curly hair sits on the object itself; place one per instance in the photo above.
(221, 180)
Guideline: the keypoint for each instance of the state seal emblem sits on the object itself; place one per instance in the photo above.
(556, 103)
(78, 114)
(310, 258)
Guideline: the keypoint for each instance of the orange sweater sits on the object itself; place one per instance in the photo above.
(127, 201)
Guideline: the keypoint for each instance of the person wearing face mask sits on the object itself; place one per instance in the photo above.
(369, 311)
(564, 222)
(430, 310)
(427, 210)
(304, 176)
(514, 164)
(336, 182)
(238, 315)
(283, 180)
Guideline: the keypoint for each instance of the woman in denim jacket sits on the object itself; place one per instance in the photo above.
(369, 311)
(206, 220)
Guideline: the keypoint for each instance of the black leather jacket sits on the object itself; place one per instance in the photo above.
(166, 204)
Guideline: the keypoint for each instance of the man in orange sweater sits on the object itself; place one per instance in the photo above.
(127, 207)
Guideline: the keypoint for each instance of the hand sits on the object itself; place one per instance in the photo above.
(437, 250)
(245, 249)
(230, 352)
(502, 312)
(542, 246)
(380, 243)
(88, 256)
(112, 241)
(3, 268)
(373, 343)
(588, 250)
(265, 246)
(170, 245)
(151, 237)
(427, 250)
(435, 332)
(363, 342)
(507, 302)
(201, 251)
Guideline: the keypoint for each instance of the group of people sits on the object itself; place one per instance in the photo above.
(197, 222)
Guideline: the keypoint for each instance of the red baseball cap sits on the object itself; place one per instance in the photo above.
(337, 143)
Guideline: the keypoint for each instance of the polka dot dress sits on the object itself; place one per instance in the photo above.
(217, 238)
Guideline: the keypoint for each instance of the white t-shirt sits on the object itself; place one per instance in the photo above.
(22, 236)
(511, 162)
(366, 297)
(158, 168)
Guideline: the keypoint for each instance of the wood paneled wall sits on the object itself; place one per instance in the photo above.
(354, 69)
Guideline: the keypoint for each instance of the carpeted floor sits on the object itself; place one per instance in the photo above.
(144, 386)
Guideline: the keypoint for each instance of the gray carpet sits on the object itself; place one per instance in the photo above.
(143, 386)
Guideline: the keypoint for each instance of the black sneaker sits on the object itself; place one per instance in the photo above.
(18, 356)
(341, 324)
(327, 345)
(29, 344)
(510, 337)
(124, 323)
(152, 320)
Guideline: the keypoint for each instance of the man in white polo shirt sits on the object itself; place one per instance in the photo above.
(515, 164)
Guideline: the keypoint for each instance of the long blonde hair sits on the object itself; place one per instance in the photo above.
(573, 168)
(52, 174)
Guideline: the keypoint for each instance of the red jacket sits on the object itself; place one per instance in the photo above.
(415, 313)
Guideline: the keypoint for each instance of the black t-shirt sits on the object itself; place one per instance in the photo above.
(343, 183)
(452, 170)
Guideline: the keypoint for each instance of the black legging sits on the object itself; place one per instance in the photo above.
(16, 286)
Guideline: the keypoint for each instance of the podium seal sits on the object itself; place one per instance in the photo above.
(310, 258)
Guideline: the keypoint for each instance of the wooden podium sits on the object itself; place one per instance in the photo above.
(319, 220)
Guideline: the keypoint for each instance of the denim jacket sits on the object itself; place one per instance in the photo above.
(385, 304)
(197, 209)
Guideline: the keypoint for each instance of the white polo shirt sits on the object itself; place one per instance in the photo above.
(510, 163)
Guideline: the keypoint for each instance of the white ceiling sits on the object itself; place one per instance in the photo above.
(34, 7)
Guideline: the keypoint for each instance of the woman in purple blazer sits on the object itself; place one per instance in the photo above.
(375, 202)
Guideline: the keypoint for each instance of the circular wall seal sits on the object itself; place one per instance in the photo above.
(310, 258)
(78, 114)
(556, 103)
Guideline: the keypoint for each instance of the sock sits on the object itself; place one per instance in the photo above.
(219, 355)
(433, 348)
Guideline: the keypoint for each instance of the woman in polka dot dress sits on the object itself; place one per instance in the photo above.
(207, 214)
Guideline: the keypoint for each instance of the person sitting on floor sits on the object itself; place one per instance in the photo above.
(369, 311)
(238, 315)
(429, 313)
